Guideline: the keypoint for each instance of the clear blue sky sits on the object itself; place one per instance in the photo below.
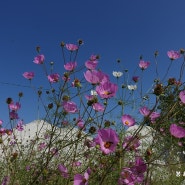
(114, 29)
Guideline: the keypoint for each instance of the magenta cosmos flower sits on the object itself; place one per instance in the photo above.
(15, 107)
(106, 90)
(81, 179)
(13, 115)
(91, 64)
(143, 65)
(173, 55)
(107, 139)
(128, 120)
(131, 143)
(70, 66)
(144, 111)
(19, 126)
(95, 77)
(71, 47)
(53, 77)
(39, 59)
(63, 171)
(177, 131)
(182, 96)
(98, 107)
(28, 75)
(70, 107)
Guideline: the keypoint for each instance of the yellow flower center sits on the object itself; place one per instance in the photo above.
(126, 122)
(107, 92)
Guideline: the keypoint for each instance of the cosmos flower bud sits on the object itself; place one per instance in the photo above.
(9, 100)
(158, 89)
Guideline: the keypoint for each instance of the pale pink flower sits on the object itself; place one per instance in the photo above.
(143, 65)
(42, 145)
(182, 96)
(128, 120)
(70, 66)
(6, 180)
(177, 131)
(19, 126)
(154, 116)
(80, 123)
(71, 47)
(106, 90)
(144, 111)
(82, 179)
(91, 64)
(107, 139)
(39, 59)
(173, 55)
(77, 163)
(131, 143)
(95, 77)
(13, 115)
(70, 107)
(28, 75)
(98, 107)
(63, 171)
(14, 107)
(54, 77)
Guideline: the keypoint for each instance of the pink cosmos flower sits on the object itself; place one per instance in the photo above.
(1, 122)
(126, 177)
(28, 75)
(107, 139)
(2, 131)
(131, 143)
(106, 90)
(39, 59)
(173, 55)
(128, 120)
(134, 174)
(143, 65)
(63, 171)
(140, 165)
(80, 123)
(94, 57)
(6, 180)
(14, 107)
(98, 107)
(95, 77)
(82, 179)
(135, 78)
(182, 96)
(144, 111)
(42, 145)
(54, 77)
(91, 64)
(70, 106)
(177, 131)
(13, 115)
(19, 126)
(77, 163)
(70, 66)
(71, 47)
(154, 116)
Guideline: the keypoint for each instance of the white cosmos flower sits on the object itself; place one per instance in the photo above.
(132, 87)
(94, 93)
(117, 74)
